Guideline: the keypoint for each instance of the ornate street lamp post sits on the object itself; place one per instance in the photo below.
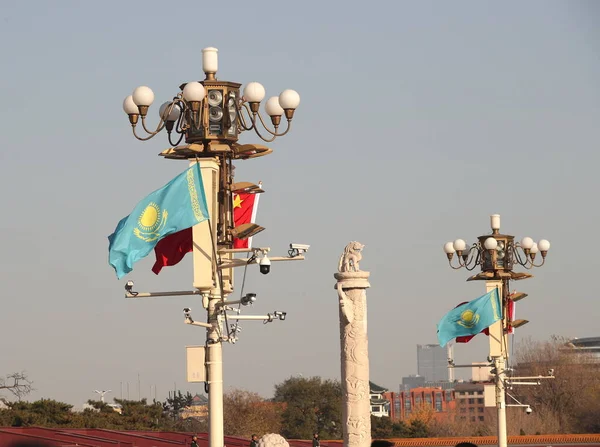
(210, 115)
(497, 254)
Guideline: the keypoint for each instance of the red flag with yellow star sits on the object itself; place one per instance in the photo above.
(244, 211)
(172, 249)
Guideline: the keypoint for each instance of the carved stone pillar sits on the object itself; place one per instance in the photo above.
(351, 287)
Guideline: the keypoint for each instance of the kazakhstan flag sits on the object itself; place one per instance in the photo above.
(178, 205)
(470, 318)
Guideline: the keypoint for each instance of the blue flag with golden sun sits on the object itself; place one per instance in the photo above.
(470, 318)
(178, 205)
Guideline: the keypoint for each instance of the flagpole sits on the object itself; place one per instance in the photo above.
(498, 355)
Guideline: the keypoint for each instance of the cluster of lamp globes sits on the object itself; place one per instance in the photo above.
(528, 245)
(194, 92)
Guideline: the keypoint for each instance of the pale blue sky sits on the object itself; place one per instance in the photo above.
(417, 121)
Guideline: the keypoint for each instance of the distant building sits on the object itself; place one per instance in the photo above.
(412, 381)
(587, 345)
(406, 403)
(380, 406)
(470, 403)
(432, 362)
(198, 409)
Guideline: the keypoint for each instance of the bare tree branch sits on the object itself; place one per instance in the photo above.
(18, 384)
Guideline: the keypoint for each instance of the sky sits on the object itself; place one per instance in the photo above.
(417, 121)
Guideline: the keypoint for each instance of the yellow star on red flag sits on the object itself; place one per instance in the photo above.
(237, 201)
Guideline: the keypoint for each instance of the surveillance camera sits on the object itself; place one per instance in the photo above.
(249, 298)
(551, 372)
(300, 247)
(186, 310)
(528, 410)
(129, 288)
(280, 315)
(265, 265)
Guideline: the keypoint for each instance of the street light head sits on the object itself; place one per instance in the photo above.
(272, 107)
(210, 62)
(495, 222)
(459, 245)
(194, 92)
(289, 100)
(534, 249)
(130, 107)
(449, 249)
(490, 243)
(168, 113)
(526, 243)
(254, 92)
(143, 96)
(543, 246)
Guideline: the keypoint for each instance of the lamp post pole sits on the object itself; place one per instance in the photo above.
(210, 114)
(496, 254)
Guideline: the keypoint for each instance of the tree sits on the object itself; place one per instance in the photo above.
(246, 413)
(570, 403)
(311, 405)
(18, 384)
(384, 428)
(177, 402)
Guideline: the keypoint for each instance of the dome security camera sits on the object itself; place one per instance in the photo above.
(265, 265)
(528, 410)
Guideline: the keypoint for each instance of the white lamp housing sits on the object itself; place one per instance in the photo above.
(534, 249)
(490, 243)
(449, 248)
(459, 245)
(210, 60)
(143, 96)
(254, 92)
(527, 243)
(130, 107)
(194, 91)
(543, 245)
(289, 99)
(495, 221)
(272, 106)
(172, 116)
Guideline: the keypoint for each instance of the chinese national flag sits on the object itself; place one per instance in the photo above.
(171, 249)
(244, 211)
(511, 330)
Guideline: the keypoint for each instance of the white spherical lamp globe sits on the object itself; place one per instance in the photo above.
(490, 243)
(289, 99)
(272, 106)
(143, 96)
(527, 243)
(130, 107)
(449, 248)
(459, 245)
(172, 116)
(254, 92)
(543, 245)
(534, 249)
(194, 91)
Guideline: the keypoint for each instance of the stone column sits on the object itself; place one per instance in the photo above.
(351, 287)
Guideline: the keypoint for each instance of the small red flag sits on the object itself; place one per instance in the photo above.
(172, 249)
